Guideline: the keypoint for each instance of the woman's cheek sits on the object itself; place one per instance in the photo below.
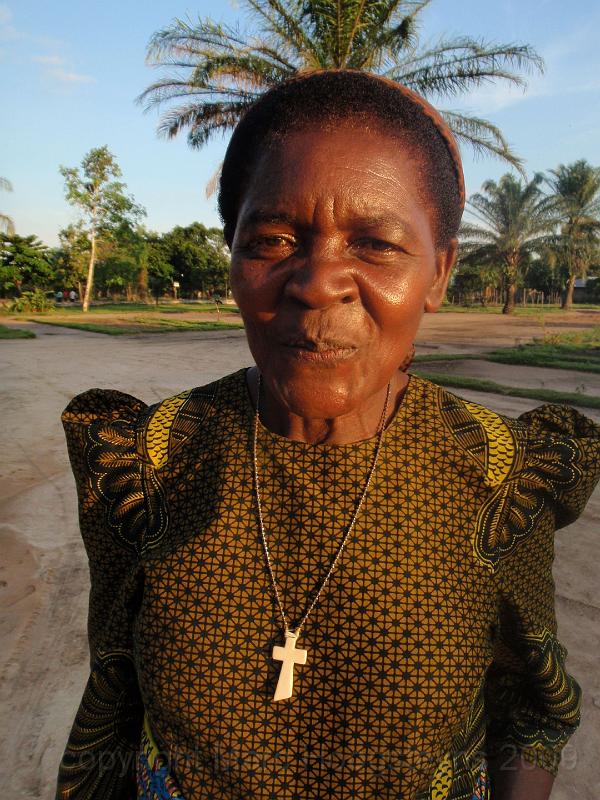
(246, 284)
(398, 299)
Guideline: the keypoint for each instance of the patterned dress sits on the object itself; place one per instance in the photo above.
(432, 646)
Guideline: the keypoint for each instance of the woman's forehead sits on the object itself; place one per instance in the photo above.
(371, 177)
(344, 143)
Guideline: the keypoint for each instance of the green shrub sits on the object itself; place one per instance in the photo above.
(36, 301)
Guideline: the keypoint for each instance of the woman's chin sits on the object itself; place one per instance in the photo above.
(316, 393)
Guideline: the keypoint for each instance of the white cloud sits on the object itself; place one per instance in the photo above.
(561, 77)
(494, 97)
(52, 61)
(65, 76)
(7, 31)
(53, 66)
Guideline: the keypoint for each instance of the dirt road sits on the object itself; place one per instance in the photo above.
(43, 569)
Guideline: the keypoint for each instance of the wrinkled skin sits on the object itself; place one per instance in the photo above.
(334, 262)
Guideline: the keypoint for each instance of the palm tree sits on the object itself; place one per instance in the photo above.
(512, 220)
(6, 223)
(576, 192)
(220, 70)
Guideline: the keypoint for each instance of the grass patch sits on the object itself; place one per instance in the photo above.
(93, 327)
(15, 333)
(186, 324)
(145, 326)
(429, 357)
(147, 308)
(547, 357)
(577, 351)
(519, 311)
(482, 385)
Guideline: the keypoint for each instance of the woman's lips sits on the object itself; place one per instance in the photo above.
(322, 351)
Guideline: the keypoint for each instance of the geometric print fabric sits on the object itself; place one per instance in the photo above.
(410, 647)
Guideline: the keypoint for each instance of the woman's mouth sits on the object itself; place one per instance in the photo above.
(320, 351)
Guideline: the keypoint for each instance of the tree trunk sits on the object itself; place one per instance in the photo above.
(90, 276)
(142, 283)
(509, 297)
(567, 300)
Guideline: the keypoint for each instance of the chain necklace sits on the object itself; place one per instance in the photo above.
(288, 654)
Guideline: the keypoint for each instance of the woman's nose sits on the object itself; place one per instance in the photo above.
(322, 278)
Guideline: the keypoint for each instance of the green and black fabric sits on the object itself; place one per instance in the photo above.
(433, 643)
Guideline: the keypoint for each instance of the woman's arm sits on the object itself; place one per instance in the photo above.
(99, 760)
(532, 701)
(514, 778)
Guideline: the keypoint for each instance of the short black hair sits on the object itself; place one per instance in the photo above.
(327, 97)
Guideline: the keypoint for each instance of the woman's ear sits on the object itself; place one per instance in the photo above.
(444, 261)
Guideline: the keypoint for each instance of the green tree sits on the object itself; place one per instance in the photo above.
(220, 70)
(472, 283)
(217, 269)
(197, 255)
(6, 223)
(131, 247)
(24, 264)
(512, 219)
(576, 193)
(71, 259)
(117, 273)
(545, 273)
(101, 201)
(160, 270)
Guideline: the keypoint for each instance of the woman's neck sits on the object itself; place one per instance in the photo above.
(357, 425)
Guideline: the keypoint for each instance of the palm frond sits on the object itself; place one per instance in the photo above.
(213, 182)
(232, 72)
(576, 190)
(172, 88)
(226, 67)
(508, 222)
(387, 33)
(457, 66)
(184, 42)
(202, 119)
(482, 255)
(483, 137)
(6, 224)
(285, 25)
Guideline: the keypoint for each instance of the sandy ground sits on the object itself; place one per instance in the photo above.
(43, 568)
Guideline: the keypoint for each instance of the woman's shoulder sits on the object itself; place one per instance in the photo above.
(117, 443)
(100, 405)
(113, 419)
(545, 459)
(504, 445)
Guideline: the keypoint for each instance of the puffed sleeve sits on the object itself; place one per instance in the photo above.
(99, 759)
(532, 702)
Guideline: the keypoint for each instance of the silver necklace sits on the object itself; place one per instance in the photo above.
(288, 654)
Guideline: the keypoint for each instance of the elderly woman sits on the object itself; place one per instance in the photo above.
(321, 577)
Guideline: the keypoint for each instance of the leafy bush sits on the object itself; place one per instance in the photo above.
(36, 301)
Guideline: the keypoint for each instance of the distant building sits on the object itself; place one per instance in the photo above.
(587, 290)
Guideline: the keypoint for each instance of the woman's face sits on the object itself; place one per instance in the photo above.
(333, 264)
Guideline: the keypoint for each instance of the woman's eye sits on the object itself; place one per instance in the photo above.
(266, 245)
(375, 245)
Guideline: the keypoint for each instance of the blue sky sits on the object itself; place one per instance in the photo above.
(70, 72)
